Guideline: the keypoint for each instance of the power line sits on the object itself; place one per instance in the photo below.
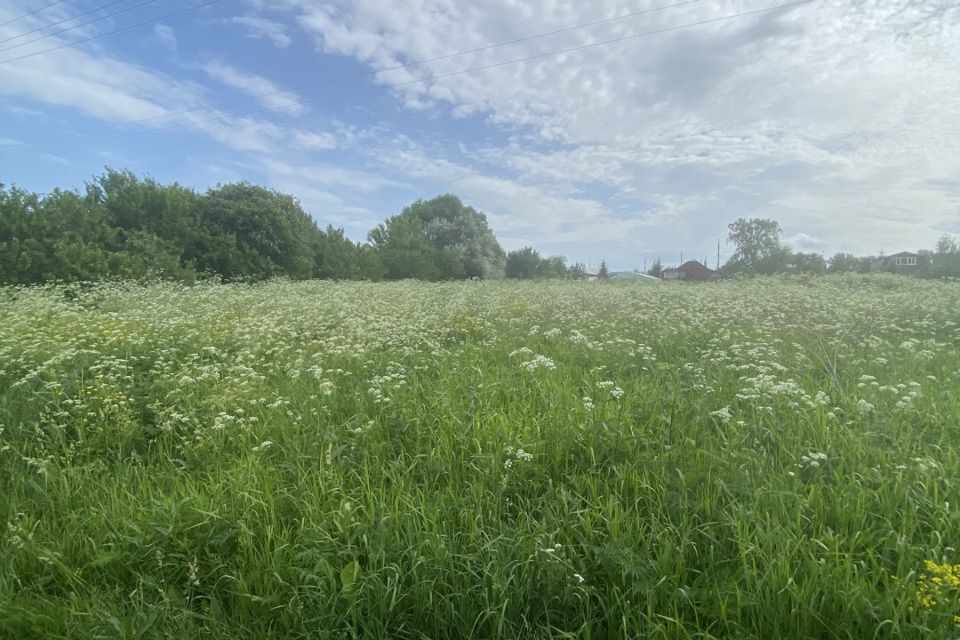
(31, 13)
(59, 22)
(365, 74)
(114, 32)
(452, 73)
(449, 74)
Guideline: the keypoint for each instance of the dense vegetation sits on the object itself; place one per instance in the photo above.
(770, 458)
(758, 250)
(125, 227)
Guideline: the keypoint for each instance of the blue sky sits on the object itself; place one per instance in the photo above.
(837, 118)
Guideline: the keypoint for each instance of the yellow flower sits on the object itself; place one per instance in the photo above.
(939, 585)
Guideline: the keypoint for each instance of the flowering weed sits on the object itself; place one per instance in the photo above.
(768, 458)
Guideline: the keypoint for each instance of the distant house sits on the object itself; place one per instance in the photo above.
(692, 271)
(903, 262)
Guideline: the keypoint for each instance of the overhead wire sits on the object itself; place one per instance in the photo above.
(114, 32)
(32, 13)
(68, 19)
(366, 74)
(388, 86)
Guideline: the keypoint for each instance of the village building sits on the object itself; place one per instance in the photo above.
(903, 262)
(691, 271)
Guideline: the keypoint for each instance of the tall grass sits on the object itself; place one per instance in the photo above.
(762, 459)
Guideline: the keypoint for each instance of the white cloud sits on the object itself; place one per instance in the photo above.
(166, 37)
(838, 119)
(328, 175)
(519, 213)
(263, 28)
(320, 189)
(269, 94)
(314, 140)
(805, 242)
(26, 112)
(116, 91)
(822, 116)
(100, 87)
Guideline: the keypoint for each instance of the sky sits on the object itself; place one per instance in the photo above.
(617, 130)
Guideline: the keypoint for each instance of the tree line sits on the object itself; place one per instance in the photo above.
(123, 226)
(759, 250)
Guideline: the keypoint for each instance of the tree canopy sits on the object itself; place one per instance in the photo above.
(656, 269)
(438, 239)
(757, 246)
(124, 226)
(129, 227)
(527, 263)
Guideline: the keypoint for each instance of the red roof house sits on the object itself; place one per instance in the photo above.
(691, 270)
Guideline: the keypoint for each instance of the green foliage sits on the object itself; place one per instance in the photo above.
(252, 230)
(577, 271)
(127, 227)
(945, 261)
(757, 247)
(947, 245)
(604, 272)
(167, 212)
(656, 269)
(123, 226)
(554, 267)
(336, 257)
(527, 263)
(807, 263)
(406, 252)
(62, 235)
(438, 239)
(523, 263)
(773, 458)
(945, 265)
(849, 263)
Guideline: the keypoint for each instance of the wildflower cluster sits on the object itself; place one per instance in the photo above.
(538, 362)
(812, 460)
(515, 456)
(190, 425)
(608, 385)
(392, 380)
(938, 587)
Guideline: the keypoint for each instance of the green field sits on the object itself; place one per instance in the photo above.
(758, 459)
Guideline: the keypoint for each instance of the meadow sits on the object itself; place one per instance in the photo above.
(767, 458)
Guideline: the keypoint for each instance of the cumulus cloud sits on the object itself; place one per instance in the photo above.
(823, 115)
(805, 242)
(835, 118)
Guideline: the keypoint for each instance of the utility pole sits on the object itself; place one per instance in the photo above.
(681, 257)
(718, 255)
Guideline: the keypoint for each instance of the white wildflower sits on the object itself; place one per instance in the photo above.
(723, 415)
(538, 362)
